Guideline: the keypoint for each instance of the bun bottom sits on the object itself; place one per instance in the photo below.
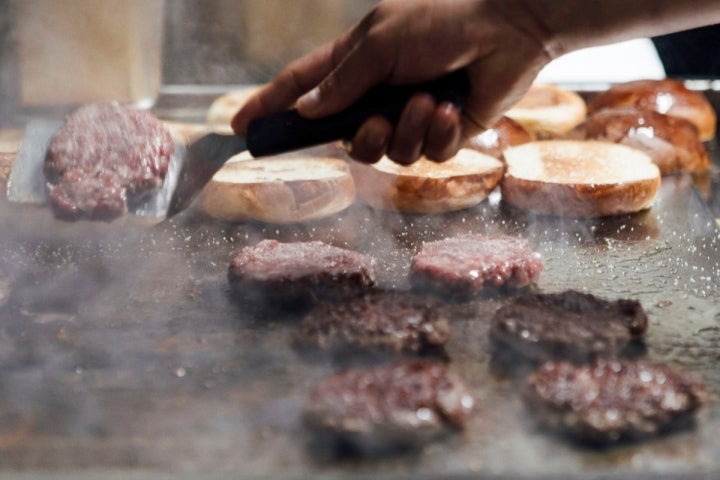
(428, 187)
(279, 190)
(579, 200)
(579, 178)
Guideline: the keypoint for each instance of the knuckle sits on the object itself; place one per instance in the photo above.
(402, 157)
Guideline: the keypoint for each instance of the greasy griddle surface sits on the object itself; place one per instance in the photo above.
(122, 350)
(121, 346)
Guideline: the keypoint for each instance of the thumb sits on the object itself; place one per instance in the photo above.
(357, 73)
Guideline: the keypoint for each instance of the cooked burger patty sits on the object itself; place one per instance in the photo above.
(397, 322)
(463, 266)
(613, 399)
(398, 405)
(570, 325)
(271, 270)
(103, 156)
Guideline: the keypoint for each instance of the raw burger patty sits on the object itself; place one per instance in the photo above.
(613, 399)
(463, 266)
(398, 405)
(571, 326)
(398, 322)
(271, 270)
(103, 156)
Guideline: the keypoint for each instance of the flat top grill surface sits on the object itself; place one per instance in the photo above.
(123, 350)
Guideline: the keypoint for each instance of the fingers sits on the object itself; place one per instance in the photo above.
(293, 81)
(353, 77)
(407, 142)
(304, 78)
(280, 94)
(424, 129)
(444, 136)
(371, 140)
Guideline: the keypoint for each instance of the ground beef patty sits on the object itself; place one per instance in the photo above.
(463, 266)
(103, 157)
(612, 399)
(570, 325)
(397, 322)
(399, 405)
(274, 271)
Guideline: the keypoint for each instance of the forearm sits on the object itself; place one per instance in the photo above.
(567, 25)
(501, 44)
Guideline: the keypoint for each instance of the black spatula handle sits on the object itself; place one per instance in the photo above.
(287, 130)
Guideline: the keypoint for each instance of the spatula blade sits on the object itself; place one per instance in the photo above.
(202, 159)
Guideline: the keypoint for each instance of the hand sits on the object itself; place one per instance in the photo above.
(412, 41)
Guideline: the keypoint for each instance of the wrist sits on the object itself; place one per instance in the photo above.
(567, 25)
(525, 18)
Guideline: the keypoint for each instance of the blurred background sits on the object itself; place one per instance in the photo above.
(55, 53)
(60, 53)
(247, 41)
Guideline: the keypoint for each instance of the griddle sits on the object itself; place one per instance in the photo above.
(124, 354)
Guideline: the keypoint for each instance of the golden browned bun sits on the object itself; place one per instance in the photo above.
(666, 96)
(579, 178)
(426, 186)
(505, 133)
(9, 145)
(672, 142)
(279, 190)
(548, 111)
(10, 140)
(6, 163)
(224, 108)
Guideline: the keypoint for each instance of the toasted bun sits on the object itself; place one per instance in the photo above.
(428, 187)
(279, 190)
(672, 142)
(548, 111)
(6, 163)
(579, 178)
(666, 96)
(505, 133)
(224, 108)
(10, 140)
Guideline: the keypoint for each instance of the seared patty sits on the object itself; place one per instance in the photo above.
(398, 405)
(398, 322)
(465, 265)
(613, 399)
(103, 156)
(274, 271)
(570, 325)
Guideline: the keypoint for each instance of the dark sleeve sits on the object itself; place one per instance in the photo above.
(692, 53)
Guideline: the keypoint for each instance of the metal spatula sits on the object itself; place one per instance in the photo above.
(192, 167)
(288, 131)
